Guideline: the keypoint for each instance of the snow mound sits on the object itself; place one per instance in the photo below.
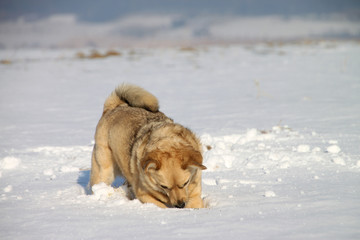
(278, 148)
(339, 161)
(333, 149)
(269, 194)
(8, 188)
(48, 172)
(9, 163)
(104, 192)
(303, 148)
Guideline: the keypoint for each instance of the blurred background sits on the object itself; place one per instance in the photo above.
(114, 23)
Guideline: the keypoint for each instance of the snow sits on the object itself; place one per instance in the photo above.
(48, 172)
(9, 162)
(154, 29)
(339, 160)
(102, 191)
(269, 194)
(279, 124)
(333, 149)
(303, 148)
(8, 188)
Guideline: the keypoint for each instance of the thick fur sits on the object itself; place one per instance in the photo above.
(160, 160)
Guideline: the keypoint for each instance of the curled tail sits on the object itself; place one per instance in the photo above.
(133, 96)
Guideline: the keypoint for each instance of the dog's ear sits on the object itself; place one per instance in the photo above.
(150, 162)
(193, 159)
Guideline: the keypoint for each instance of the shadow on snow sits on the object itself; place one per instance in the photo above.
(84, 179)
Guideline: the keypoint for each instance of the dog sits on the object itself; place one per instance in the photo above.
(160, 160)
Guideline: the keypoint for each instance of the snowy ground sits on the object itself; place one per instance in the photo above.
(66, 30)
(282, 122)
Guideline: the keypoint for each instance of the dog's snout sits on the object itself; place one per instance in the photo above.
(180, 204)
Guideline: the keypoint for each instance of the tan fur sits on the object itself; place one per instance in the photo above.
(160, 160)
(135, 95)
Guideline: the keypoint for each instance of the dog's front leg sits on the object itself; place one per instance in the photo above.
(195, 202)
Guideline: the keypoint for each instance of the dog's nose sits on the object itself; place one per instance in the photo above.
(180, 204)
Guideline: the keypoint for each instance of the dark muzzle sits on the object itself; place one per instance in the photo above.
(180, 204)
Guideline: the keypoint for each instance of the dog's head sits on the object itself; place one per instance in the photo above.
(173, 173)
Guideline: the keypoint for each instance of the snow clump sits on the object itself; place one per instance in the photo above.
(333, 149)
(8, 188)
(102, 191)
(339, 161)
(9, 163)
(269, 194)
(48, 172)
(303, 148)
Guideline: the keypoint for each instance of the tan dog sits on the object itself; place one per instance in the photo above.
(160, 160)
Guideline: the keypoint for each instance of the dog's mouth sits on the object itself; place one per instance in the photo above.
(180, 204)
(171, 204)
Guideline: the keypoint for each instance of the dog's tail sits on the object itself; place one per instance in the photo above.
(133, 96)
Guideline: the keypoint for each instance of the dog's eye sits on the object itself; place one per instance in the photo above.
(185, 184)
(164, 187)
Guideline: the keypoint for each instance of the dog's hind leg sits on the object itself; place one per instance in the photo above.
(102, 166)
